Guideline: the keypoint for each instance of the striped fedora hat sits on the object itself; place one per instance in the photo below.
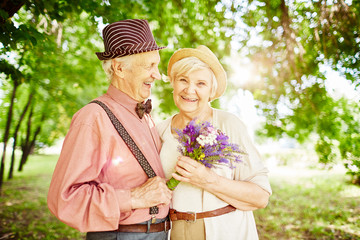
(127, 37)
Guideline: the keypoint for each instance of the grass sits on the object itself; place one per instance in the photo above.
(306, 204)
(310, 204)
(23, 208)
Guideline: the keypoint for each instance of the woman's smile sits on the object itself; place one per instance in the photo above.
(188, 99)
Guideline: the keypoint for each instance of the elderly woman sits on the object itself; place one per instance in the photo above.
(209, 203)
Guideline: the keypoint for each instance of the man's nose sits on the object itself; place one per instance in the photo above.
(156, 74)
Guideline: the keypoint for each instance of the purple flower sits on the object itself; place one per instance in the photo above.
(208, 152)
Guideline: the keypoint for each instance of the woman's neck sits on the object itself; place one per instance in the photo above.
(182, 118)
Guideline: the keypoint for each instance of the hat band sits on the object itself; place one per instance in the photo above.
(129, 49)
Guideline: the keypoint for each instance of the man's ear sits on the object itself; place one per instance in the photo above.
(117, 68)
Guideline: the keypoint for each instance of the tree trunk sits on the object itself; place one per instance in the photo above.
(25, 144)
(6, 134)
(10, 176)
(29, 145)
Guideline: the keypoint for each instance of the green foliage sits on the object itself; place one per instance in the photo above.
(53, 74)
(296, 39)
(11, 72)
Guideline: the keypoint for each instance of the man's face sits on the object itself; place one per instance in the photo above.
(141, 74)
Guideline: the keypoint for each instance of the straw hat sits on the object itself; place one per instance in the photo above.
(207, 56)
(127, 37)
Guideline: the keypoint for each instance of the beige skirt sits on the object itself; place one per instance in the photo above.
(183, 230)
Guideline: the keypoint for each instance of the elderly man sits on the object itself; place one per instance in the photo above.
(100, 184)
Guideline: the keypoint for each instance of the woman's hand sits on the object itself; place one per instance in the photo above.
(193, 172)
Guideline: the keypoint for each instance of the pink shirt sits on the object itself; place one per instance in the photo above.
(90, 187)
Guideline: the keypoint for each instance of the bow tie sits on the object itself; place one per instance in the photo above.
(142, 108)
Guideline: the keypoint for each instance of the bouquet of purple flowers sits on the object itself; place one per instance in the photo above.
(206, 144)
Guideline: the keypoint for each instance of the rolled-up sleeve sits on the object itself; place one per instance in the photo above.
(251, 168)
(76, 195)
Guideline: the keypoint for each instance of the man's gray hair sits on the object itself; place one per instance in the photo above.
(125, 61)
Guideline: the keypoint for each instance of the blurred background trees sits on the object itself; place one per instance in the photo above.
(300, 43)
(49, 68)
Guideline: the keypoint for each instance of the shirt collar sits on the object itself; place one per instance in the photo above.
(122, 98)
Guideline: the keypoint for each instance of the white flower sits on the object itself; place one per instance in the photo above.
(203, 140)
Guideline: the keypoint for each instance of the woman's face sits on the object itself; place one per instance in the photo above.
(192, 91)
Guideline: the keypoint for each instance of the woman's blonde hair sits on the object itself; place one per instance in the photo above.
(189, 64)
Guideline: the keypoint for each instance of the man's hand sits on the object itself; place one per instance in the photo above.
(152, 193)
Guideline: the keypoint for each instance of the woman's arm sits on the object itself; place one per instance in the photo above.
(243, 195)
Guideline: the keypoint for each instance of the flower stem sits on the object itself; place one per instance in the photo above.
(172, 183)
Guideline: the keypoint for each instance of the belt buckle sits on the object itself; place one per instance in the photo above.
(192, 213)
(153, 219)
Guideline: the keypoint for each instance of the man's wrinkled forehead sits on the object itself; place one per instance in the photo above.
(147, 58)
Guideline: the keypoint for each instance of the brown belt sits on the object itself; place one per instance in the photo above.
(145, 228)
(192, 216)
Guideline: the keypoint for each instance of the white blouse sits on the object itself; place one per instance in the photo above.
(186, 197)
